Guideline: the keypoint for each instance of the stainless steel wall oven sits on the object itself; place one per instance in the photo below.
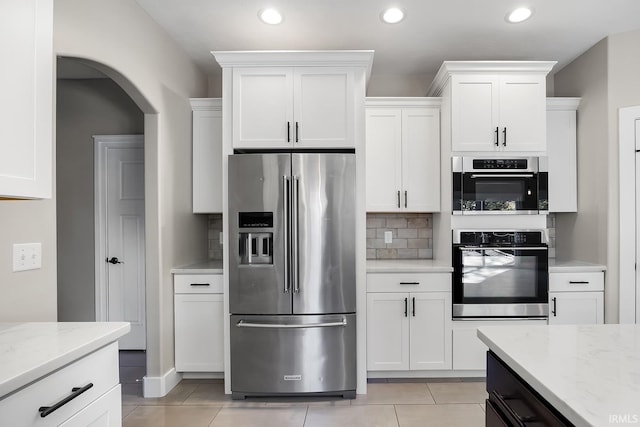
(499, 186)
(500, 274)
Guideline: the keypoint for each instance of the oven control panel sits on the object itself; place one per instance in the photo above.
(500, 163)
(499, 238)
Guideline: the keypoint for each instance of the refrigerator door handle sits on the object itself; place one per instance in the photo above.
(294, 236)
(285, 210)
(243, 324)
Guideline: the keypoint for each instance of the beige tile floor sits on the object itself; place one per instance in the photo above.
(388, 403)
(425, 403)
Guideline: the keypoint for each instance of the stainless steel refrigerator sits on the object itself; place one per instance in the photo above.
(292, 274)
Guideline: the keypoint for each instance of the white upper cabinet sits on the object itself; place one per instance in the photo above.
(403, 155)
(561, 154)
(496, 106)
(295, 99)
(26, 107)
(207, 155)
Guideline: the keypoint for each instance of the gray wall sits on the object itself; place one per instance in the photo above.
(606, 77)
(84, 108)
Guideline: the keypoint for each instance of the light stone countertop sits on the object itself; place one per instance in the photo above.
(569, 266)
(407, 266)
(589, 373)
(29, 351)
(205, 267)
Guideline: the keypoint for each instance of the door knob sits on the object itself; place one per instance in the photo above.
(114, 260)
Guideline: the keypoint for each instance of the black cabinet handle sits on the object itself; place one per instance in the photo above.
(578, 282)
(288, 131)
(406, 304)
(502, 402)
(497, 143)
(413, 306)
(398, 198)
(553, 310)
(114, 260)
(405, 198)
(297, 133)
(75, 392)
(409, 283)
(504, 137)
(200, 284)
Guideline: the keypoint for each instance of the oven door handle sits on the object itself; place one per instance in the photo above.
(505, 248)
(503, 175)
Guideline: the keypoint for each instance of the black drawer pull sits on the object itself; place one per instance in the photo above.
(75, 392)
(502, 400)
(200, 284)
(578, 282)
(409, 283)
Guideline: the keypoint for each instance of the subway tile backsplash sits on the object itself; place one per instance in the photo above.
(215, 228)
(411, 233)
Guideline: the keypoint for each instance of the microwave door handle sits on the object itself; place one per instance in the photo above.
(503, 175)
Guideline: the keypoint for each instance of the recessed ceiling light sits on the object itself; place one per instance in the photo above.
(393, 15)
(270, 16)
(520, 14)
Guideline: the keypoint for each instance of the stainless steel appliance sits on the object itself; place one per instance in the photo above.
(500, 274)
(499, 185)
(292, 273)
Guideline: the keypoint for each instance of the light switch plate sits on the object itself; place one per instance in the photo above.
(388, 236)
(27, 256)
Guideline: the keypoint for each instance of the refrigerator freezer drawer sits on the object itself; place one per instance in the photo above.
(281, 355)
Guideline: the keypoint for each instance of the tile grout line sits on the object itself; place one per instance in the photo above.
(306, 413)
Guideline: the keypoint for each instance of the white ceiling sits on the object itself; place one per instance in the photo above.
(433, 30)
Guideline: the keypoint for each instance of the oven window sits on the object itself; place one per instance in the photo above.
(498, 274)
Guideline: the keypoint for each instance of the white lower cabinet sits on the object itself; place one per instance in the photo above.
(199, 323)
(576, 298)
(85, 392)
(408, 330)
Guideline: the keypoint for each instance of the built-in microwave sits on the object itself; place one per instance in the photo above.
(515, 185)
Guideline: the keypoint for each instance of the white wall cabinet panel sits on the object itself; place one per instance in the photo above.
(285, 107)
(26, 107)
(199, 323)
(561, 154)
(207, 155)
(403, 155)
(496, 106)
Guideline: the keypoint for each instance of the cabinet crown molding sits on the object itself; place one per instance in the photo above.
(562, 104)
(467, 67)
(206, 104)
(296, 58)
(389, 101)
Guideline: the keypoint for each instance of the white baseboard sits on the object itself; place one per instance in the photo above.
(160, 386)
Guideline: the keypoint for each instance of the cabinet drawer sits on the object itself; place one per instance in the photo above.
(197, 283)
(99, 368)
(408, 282)
(576, 281)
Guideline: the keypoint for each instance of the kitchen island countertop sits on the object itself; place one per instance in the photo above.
(204, 267)
(589, 373)
(407, 266)
(29, 351)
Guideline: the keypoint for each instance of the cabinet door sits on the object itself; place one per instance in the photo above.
(430, 330)
(474, 113)
(207, 156)
(421, 159)
(387, 331)
(262, 107)
(576, 308)
(384, 159)
(26, 108)
(106, 411)
(324, 107)
(523, 109)
(199, 333)
(561, 155)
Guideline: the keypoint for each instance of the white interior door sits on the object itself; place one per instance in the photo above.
(121, 235)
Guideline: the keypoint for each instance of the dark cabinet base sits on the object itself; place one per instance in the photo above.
(512, 402)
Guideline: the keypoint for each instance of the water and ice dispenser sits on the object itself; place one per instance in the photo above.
(255, 244)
